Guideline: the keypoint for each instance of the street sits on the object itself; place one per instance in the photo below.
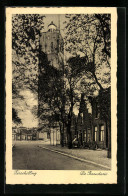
(29, 156)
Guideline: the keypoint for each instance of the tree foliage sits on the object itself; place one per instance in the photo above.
(89, 36)
(104, 99)
(88, 39)
(15, 117)
(50, 90)
(58, 93)
(26, 29)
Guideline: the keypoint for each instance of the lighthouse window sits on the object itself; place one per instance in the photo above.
(51, 45)
(58, 45)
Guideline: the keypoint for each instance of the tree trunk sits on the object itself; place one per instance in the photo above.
(61, 139)
(69, 128)
(109, 140)
(69, 136)
(62, 135)
(70, 119)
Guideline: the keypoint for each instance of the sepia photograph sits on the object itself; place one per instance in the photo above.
(61, 98)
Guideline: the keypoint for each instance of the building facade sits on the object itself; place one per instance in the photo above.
(52, 55)
(23, 133)
(101, 117)
(83, 124)
(55, 137)
(90, 130)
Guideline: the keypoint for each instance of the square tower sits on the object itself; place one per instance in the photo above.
(52, 44)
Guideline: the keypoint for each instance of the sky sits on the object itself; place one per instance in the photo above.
(55, 18)
(24, 108)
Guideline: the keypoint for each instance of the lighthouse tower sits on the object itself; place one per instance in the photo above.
(52, 44)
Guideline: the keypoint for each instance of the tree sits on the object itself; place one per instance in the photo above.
(72, 91)
(15, 117)
(89, 36)
(26, 30)
(85, 36)
(51, 93)
(104, 20)
(58, 93)
(88, 39)
(104, 99)
(15, 95)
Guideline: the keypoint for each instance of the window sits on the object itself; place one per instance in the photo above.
(51, 46)
(58, 45)
(95, 134)
(61, 47)
(102, 133)
(89, 135)
(85, 136)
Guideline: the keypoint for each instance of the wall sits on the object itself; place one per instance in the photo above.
(51, 44)
(98, 123)
(55, 136)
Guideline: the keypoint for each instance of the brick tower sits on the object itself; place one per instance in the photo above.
(52, 44)
(52, 47)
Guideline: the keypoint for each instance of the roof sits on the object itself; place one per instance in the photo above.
(52, 24)
(28, 131)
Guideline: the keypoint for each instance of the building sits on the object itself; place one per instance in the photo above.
(23, 133)
(81, 126)
(52, 55)
(91, 130)
(55, 137)
(101, 117)
(52, 44)
(43, 134)
(84, 124)
(14, 131)
(99, 128)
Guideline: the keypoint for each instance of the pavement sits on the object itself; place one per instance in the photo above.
(98, 156)
(41, 155)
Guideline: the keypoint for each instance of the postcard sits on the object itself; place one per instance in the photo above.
(61, 95)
